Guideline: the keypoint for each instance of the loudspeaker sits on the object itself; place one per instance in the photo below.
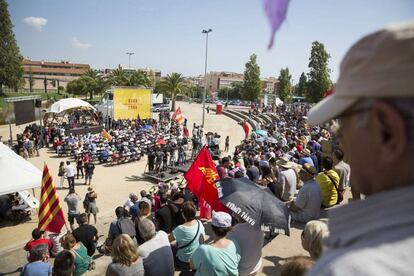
(38, 103)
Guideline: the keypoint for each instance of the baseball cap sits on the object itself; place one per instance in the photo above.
(221, 219)
(380, 65)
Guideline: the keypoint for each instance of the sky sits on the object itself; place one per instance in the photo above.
(166, 34)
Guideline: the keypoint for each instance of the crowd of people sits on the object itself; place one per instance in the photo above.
(304, 167)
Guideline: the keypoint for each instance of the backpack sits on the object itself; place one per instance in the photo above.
(126, 226)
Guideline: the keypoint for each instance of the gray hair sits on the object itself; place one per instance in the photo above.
(38, 252)
(146, 229)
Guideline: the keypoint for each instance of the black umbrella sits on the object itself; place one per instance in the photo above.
(255, 204)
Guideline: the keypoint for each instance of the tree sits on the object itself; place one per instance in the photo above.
(31, 80)
(252, 85)
(96, 83)
(285, 85)
(11, 70)
(173, 84)
(302, 86)
(118, 77)
(318, 77)
(138, 78)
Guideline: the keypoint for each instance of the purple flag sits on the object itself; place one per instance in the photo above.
(276, 13)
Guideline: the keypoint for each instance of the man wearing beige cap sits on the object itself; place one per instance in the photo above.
(374, 104)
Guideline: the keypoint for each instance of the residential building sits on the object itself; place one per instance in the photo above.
(53, 74)
(217, 80)
(270, 85)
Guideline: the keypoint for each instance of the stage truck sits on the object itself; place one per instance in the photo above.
(129, 102)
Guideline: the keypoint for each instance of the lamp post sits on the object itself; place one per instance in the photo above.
(205, 74)
(129, 59)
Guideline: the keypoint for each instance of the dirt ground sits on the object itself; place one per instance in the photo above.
(113, 185)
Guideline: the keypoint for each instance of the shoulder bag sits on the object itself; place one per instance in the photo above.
(195, 236)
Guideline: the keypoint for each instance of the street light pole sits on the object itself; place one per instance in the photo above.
(205, 74)
(129, 59)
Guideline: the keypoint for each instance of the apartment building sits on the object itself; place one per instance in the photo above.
(53, 74)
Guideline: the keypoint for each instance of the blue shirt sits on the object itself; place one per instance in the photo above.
(306, 159)
(38, 268)
(134, 211)
(209, 260)
(183, 235)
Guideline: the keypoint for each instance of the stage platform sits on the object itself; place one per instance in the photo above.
(163, 176)
(182, 168)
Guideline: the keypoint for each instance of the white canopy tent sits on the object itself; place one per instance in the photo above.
(59, 111)
(69, 103)
(16, 174)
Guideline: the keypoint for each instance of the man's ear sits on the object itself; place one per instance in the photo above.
(390, 132)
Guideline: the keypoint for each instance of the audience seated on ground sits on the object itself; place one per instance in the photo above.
(250, 240)
(297, 266)
(155, 248)
(187, 237)
(312, 236)
(39, 257)
(125, 258)
(64, 264)
(222, 257)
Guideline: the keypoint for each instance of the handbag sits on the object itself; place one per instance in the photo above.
(340, 193)
(195, 236)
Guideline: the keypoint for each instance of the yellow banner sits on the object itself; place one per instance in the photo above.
(131, 102)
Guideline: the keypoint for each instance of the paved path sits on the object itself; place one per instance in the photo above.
(113, 184)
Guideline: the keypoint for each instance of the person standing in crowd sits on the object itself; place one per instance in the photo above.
(72, 200)
(187, 236)
(164, 215)
(312, 236)
(61, 174)
(79, 167)
(130, 201)
(250, 248)
(38, 265)
(375, 235)
(82, 260)
(70, 175)
(306, 158)
(125, 258)
(343, 170)
(221, 257)
(87, 234)
(223, 167)
(64, 264)
(307, 205)
(287, 179)
(328, 181)
(89, 169)
(92, 208)
(122, 225)
(296, 266)
(227, 144)
(37, 238)
(55, 240)
(155, 248)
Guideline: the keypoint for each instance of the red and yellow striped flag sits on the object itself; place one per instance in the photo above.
(51, 216)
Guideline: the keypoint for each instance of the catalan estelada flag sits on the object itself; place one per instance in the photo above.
(178, 116)
(201, 178)
(51, 216)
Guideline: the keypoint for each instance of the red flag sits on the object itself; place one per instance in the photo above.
(246, 129)
(51, 216)
(201, 178)
(178, 116)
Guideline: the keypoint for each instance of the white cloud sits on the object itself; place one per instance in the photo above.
(80, 45)
(36, 22)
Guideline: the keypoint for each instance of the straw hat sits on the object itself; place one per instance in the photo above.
(306, 152)
(309, 169)
(284, 162)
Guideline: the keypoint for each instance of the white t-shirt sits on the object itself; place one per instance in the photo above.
(309, 199)
(288, 178)
(250, 248)
(70, 171)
